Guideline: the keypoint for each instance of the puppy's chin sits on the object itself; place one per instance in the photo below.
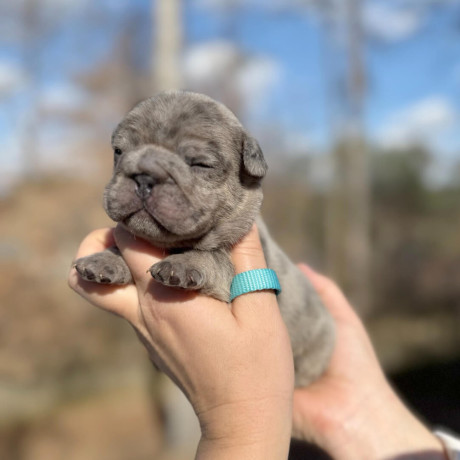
(162, 235)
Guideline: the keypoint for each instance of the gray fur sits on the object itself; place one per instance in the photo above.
(187, 177)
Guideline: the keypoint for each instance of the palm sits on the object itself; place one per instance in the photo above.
(337, 394)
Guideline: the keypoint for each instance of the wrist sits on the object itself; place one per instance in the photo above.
(382, 428)
(249, 430)
(242, 449)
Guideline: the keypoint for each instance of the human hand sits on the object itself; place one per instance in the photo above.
(234, 363)
(351, 411)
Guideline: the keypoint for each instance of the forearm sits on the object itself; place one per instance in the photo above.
(383, 429)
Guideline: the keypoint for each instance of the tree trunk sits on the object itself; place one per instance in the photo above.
(167, 43)
(30, 133)
(349, 205)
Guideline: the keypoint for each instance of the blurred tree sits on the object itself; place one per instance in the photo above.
(33, 23)
(215, 67)
(405, 242)
(47, 108)
(32, 66)
(455, 175)
(348, 217)
(398, 179)
(167, 36)
(120, 78)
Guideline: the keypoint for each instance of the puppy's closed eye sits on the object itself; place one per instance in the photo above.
(197, 163)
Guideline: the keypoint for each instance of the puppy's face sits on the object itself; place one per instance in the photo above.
(185, 172)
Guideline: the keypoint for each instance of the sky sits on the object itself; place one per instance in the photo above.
(412, 56)
(280, 50)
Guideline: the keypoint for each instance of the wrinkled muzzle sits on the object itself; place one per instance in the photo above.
(153, 193)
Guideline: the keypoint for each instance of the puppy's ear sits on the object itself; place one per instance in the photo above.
(253, 159)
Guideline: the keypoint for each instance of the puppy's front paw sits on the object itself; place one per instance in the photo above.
(103, 268)
(177, 274)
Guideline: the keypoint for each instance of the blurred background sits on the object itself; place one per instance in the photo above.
(356, 104)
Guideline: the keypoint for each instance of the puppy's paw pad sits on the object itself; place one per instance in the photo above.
(95, 269)
(161, 271)
(85, 272)
(176, 274)
(194, 278)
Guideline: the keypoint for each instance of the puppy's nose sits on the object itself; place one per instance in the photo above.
(144, 185)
